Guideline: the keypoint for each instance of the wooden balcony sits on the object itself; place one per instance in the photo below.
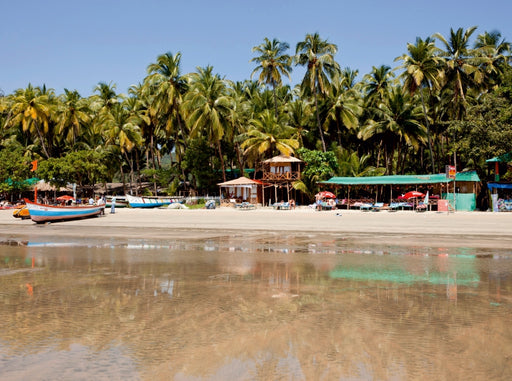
(286, 176)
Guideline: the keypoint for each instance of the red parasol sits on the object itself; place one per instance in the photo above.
(65, 198)
(325, 194)
(412, 194)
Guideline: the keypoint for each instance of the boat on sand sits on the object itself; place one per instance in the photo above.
(41, 213)
(149, 202)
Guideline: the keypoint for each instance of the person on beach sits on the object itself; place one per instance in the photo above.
(113, 207)
(101, 201)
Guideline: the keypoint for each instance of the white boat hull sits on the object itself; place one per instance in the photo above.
(43, 213)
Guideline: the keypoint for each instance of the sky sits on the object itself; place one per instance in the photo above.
(77, 44)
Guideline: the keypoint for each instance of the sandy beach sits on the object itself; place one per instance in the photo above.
(472, 229)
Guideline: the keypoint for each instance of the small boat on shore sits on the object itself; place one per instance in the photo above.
(121, 202)
(149, 202)
(43, 213)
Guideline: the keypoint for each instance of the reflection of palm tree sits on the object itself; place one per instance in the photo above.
(317, 56)
(272, 63)
(422, 69)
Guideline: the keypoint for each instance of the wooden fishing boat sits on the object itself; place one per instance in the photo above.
(43, 213)
(149, 202)
(121, 202)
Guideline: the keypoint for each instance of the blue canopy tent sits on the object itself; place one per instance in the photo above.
(500, 204)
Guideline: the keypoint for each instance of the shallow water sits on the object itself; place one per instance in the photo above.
(268, 307)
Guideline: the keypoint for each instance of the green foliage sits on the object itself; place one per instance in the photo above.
(487, 131)
(318, 164)
(199, 162)
(352, 165)
(14, 170)
(80, 167)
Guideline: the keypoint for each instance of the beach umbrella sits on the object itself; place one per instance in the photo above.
(413, 194)
(325, 194)
(65, 198)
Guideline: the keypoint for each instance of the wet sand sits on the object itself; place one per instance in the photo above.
(472, 229)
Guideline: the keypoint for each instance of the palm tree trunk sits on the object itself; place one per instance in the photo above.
(318, 123)
(275, 96)
(428, 130)
(43, 146)
(221, 161)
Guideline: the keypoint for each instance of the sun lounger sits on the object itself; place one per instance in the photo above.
(366, 207)
(394, 206)
(377, 207)
(245, 205)
(282, 206)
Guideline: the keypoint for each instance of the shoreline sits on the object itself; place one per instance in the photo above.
(471, 229)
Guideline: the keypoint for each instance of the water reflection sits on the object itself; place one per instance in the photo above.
(272, 307)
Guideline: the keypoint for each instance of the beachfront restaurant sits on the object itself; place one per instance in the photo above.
(389, 189)
(241, 190)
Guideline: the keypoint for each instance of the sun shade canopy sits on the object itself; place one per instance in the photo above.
(505, 158)
(389, 180)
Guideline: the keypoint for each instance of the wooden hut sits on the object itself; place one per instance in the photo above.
(279, 173)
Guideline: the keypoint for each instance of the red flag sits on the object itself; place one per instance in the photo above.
(34, 166)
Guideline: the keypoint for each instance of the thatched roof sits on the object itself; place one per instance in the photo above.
(283, 159)
(43, 186)
(239, 181)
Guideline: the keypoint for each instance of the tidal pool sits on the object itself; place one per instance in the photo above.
(259, 307)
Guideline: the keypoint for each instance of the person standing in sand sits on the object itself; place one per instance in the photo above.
(113, 207)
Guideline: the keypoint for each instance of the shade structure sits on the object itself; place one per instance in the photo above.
(65, 198)
(325, 194)
(412, 194)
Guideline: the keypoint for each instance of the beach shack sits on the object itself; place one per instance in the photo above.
(436, 184)
(279, 173)
(501, 191)
(240, 190)
(467, 187)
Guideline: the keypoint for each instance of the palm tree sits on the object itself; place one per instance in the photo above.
(207, 107)
(460, 69)
(494, 53)
(317, 56)
(422, 69)
(272, 64)
(344, 105)
(352, 165)
(378, 84)
(32, 110)
(123, 132)
(167, 87)
(397, 126)
(299, 117)
(267, 134)
(106, 97)
(73, 114)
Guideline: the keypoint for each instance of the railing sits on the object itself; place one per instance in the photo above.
(287, 176)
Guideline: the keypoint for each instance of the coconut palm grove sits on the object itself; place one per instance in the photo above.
(447, 101)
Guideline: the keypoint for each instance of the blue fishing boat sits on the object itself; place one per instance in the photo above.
(41, 213)
(149, 202)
